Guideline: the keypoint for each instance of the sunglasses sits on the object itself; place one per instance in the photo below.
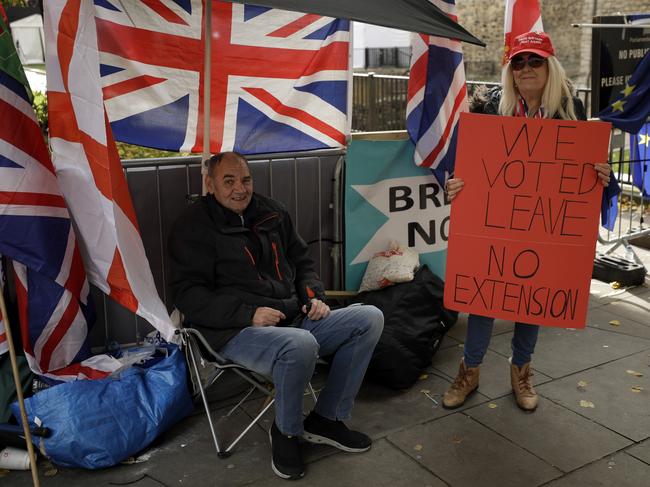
(519, 62)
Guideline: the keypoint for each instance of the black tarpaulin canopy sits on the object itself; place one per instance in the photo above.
(412, 15)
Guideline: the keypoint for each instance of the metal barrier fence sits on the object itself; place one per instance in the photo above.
(633, 206)
(379, 101)
(309, 185)
(398, 57)
(302, 182)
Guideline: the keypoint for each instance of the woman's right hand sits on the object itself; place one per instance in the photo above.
(453, 187)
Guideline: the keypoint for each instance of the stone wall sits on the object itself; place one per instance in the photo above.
(573, 45)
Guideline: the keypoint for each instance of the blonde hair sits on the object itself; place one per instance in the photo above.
(557, 98)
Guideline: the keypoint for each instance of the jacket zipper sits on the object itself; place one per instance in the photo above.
(264, 220)
(277, 260)
(250, 256)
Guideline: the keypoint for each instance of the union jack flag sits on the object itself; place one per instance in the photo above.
(279, 79)
(35, 231)
(437, 94)
(88, 165)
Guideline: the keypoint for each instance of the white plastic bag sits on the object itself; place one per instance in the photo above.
(397, 264)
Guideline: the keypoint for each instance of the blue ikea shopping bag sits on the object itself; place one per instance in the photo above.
(99, 423)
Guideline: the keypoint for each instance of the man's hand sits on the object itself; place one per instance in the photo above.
(267, 316)
(603, 171)
(317, 311)
(453, 187)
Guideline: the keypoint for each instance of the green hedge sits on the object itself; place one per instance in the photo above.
(126, 151)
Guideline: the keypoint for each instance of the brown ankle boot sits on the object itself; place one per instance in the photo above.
(464, 384)
(522, 387)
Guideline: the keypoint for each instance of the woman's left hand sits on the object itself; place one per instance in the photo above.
(603, 171)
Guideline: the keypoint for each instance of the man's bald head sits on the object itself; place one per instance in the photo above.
(216, 159)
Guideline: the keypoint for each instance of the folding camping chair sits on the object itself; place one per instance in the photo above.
(196, 347)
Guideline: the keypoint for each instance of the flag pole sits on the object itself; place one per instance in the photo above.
(207, 72)
(19, 392)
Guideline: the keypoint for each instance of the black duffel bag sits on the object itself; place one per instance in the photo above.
(415, 322)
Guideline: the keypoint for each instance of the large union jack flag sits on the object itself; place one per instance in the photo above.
(36, 233)
(437, 94)
(88, 166)
(279, 80)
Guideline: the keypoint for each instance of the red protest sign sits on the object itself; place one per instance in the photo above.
(523, 230)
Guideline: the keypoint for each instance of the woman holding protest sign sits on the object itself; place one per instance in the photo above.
(533, 85)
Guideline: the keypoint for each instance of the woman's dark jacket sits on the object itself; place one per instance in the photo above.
(488, 102)
(223, 268)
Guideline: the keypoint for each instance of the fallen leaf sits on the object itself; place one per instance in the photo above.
(456, 439)
(587, 404)
(637, 389)
(634, 373)
(615, 323)
(493, 405)
(582, 386)
(417, 447)
(424, 376)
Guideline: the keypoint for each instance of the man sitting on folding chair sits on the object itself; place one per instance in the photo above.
(243, 276)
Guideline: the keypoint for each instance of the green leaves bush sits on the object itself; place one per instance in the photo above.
(126, 151)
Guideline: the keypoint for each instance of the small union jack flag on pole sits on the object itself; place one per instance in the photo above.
(437, 94)
(521, 16)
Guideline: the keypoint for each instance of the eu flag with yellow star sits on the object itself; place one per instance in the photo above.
(640, 159)
(631, 109)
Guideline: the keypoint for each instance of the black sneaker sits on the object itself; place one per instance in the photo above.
(334, 433)
(287, 459)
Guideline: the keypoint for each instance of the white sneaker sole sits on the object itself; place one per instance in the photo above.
(284, 475)
(323, 440)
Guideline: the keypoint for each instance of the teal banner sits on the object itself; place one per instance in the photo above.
(388, 198)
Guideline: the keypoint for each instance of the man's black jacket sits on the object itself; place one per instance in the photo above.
(223, 266)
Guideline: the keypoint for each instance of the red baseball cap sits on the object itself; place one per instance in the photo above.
(535, 42)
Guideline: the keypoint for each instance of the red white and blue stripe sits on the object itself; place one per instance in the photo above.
(88, 165)
(437, 94)
(36, 233)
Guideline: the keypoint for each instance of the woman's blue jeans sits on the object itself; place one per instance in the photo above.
(288, 356)
(479, 332)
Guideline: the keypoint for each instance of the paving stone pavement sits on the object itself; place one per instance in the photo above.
(592, 426)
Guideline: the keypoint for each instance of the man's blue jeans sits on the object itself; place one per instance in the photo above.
(479, 332)
(288, 356)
